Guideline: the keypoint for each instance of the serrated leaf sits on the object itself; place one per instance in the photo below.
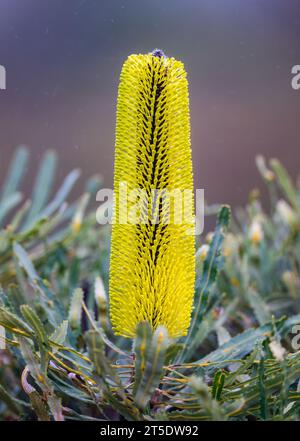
(210, 406)
(32, 318)
(273, 381)
(142, 347)
(15, 296)
(13, 322)
(218, 384)
(36, 370)
(154, 364)
(96, 351)
(75, 311)
(31, 361)
(60, 334)
(35, 323)
(101, 364)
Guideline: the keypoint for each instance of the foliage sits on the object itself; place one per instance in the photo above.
(62, 361)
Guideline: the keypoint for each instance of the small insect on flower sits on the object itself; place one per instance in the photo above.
(152, 264)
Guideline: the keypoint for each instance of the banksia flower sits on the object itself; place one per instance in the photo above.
(256, 232)
(152, 267)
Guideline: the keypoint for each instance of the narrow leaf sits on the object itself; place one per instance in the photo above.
(42, 187)
(15, 173)
(153, 367)
(75, 311)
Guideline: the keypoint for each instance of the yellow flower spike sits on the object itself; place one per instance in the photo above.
(152, 264)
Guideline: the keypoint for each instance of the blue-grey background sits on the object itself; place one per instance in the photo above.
(63, 59)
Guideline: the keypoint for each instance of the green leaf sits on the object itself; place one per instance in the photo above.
(172, 352)
(104, 374)
(285, 183)
(124, 408)
(32, 362)
(42, 187)
(42, 380)
(262, 391)
(223, 335)
(96, 351)
(35, 323)
(13, 323)
(32, 318)
(75, 311)
(154, 364)
(15, 296)
(142, 347)
(237, 348)
(62, 194)
(210, 406)
(212, 265)
(25, 262)
(19, 215)
(218, 384)
(15, 173)
(8, 204)
(60, 334)
(273, 381)
(259, 307)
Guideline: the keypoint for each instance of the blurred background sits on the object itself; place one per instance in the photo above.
(63, 60)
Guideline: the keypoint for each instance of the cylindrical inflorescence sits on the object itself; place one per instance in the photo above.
(152, 266)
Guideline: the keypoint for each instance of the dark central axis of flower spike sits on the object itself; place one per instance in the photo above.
(156, 171)
(156, 167)
(157, 149)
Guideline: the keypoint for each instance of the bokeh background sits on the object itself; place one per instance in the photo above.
(63, 60)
